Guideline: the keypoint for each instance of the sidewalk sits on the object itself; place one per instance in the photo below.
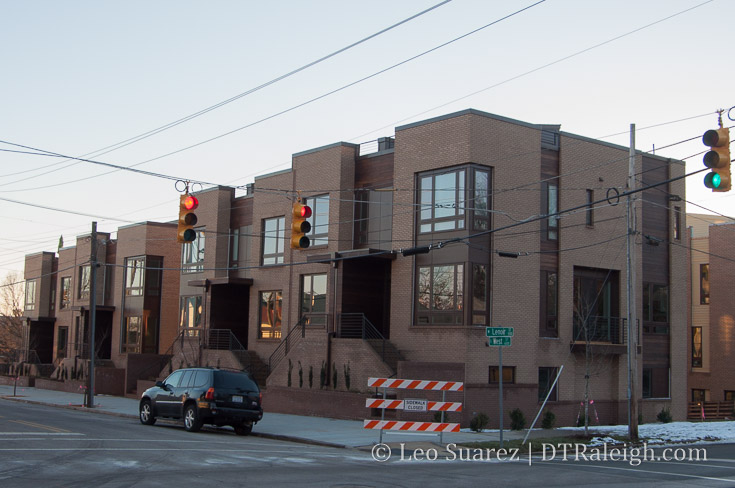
(297, 428)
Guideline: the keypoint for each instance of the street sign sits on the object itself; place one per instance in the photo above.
(499, 332)
(498, 341)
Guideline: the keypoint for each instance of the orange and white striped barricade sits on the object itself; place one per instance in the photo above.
(413, 405)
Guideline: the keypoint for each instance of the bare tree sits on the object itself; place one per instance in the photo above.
(11, 312)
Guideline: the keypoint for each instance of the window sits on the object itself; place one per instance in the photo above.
(271, 303)
(590, 213)
(84, 274)
(699, 395)
(373, 218)
(52, 296)
(65, 292)
(30, 295)
(656, 382)
(134, 269)
(240, 246)
(729, 395)
(319, 220)
(314, 299)
(546, 377)
(596, 300)
(443, 197)
(655, 302)
(509, 374)
(131, 335)
(549, 304)
(273, 240)
(174, 378)
(62, 342)
(677, 223)
(697, 355)
(551, 206)
(704, 284)
(646, 383)
(440, 294)
(192, 254)
(190, 314)
(479, 295)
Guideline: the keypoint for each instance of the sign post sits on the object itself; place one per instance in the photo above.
(499, 336)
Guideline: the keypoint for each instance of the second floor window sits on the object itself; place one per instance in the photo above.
(655, 302)
(273, 240)
(30, 296)
(84, 274)
(65, 292)
(134, 268)
(440, 297)
(190, 313)
(192, 254)
(271, 304)
(704, 284)
(319, 220)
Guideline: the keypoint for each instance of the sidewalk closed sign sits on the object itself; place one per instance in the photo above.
(414, 405)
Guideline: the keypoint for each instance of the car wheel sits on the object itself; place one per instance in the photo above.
(243, 429)
(146, 413)
(192, 423)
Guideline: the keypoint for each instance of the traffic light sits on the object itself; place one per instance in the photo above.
(187, 218)
(718, 159)
(299, 226)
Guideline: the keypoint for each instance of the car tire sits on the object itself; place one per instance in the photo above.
(192, 422)
(146, 413)
(244, 428)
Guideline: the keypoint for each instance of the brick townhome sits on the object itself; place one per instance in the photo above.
(447, 192)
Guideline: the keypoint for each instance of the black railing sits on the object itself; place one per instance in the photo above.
(357, 326)
(295, 334)
(223, 339)
(600, 329)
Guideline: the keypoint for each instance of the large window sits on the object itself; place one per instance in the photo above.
(62, 342)
(30, 295)
(273, 240)
(314, 299)
(546, 377)
(319, 220)
(590, 212)
(697, 355)
(84, 274)
(271, 303)
(190, 315)
(596, 301)
(480, 309)
(442, 201)
(134, 268)
(551, 206)
(704, 284)
(373, 218)
(440, 298)
(192, 254)
(65, 292)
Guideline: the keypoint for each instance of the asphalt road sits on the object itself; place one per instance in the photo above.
(48, 447)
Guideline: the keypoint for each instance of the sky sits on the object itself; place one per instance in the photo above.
(80, 76)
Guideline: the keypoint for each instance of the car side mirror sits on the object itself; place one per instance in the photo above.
(160, 384)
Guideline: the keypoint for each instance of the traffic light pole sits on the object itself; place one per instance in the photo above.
(92, 312)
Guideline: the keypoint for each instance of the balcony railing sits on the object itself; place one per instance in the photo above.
(600, 329)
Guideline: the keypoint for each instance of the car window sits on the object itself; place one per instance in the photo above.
(173, 378)
(228, 379)
(186, 379)
(201, 379)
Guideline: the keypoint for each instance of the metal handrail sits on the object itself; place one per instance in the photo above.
(354, 325)
(600, 329)
(286, 344)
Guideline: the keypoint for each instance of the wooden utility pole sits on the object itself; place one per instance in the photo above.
(631, 288)
(92, 312)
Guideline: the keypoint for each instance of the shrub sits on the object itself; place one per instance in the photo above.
(479, 422)
(334, 375)
(664, 416)
(517, 419)
(311, 376)
(438, 417)
(347, 375)
(549, 420)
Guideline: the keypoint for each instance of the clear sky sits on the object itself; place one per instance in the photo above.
(78, 76)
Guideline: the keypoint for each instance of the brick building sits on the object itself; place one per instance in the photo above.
(418, 247)
(711, 380)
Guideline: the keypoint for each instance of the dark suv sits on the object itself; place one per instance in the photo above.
(204, 396)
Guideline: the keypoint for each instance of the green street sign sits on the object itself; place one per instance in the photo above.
(499, 331)
(499, 341)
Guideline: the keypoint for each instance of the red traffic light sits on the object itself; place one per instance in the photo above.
(190, 202)
(305, 212)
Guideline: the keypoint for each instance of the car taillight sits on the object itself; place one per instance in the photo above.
(210, 394)
(260, 397)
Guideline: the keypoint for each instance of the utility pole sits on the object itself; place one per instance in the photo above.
(631, 287)
(92, 312)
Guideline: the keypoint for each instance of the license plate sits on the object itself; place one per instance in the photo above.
(236, 399)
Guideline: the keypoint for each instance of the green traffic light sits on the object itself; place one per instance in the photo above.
(712, 180)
